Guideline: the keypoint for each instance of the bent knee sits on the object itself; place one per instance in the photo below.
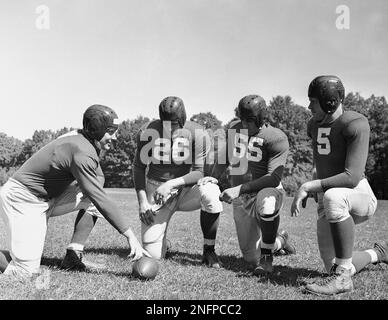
(268, 204)
(210, 198)
(335, 206)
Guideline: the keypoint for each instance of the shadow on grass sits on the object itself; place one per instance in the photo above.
(119, 251)
(282, 275)
(55, 263)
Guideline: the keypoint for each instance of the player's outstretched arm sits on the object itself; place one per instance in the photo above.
(83, 169)
(136, 250)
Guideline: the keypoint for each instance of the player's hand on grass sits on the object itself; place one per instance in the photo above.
(146, 214)
(299, 199)
(205, 180)
(136, 250)
(162, 193)
(228, 195)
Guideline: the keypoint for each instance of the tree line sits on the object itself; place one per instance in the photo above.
(117, 163)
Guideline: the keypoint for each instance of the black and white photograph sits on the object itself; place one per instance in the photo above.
(195, 157)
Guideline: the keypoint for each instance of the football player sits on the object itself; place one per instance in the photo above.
(61, 177)
(169, 162)
(258, 154)
(83, 226)
(340, 141)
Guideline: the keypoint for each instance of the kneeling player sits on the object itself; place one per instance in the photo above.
(340, 149)
(60, 178)
(173, 151)
(259, 156)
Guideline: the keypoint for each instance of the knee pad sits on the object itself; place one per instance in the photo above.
(267, 206)
(335, 206)
(210, 198)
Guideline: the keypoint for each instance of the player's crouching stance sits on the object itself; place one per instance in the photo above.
(174, 151)
(340, 149)
(60, 178)
(259, 156)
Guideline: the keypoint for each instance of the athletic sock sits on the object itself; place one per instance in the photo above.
(345, 263)
(269, 230)
(209, 225)
(373, 255)
(75, 246)
(343, 238)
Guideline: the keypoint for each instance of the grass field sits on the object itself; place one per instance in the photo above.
(182, 276)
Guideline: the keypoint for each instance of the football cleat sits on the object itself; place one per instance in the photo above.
(382, 251)
(287, 248)
(73, 261)
(210, 258)
(339, 281)
(265, 265)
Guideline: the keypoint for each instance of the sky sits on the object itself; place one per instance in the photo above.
(130, 54)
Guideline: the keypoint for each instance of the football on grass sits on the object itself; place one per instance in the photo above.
(145, 268)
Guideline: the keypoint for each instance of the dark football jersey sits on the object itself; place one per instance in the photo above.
(264, 154)
(169, 157)
(340, 149)
(54, 167)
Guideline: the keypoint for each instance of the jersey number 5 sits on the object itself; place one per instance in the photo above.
(323, 142)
